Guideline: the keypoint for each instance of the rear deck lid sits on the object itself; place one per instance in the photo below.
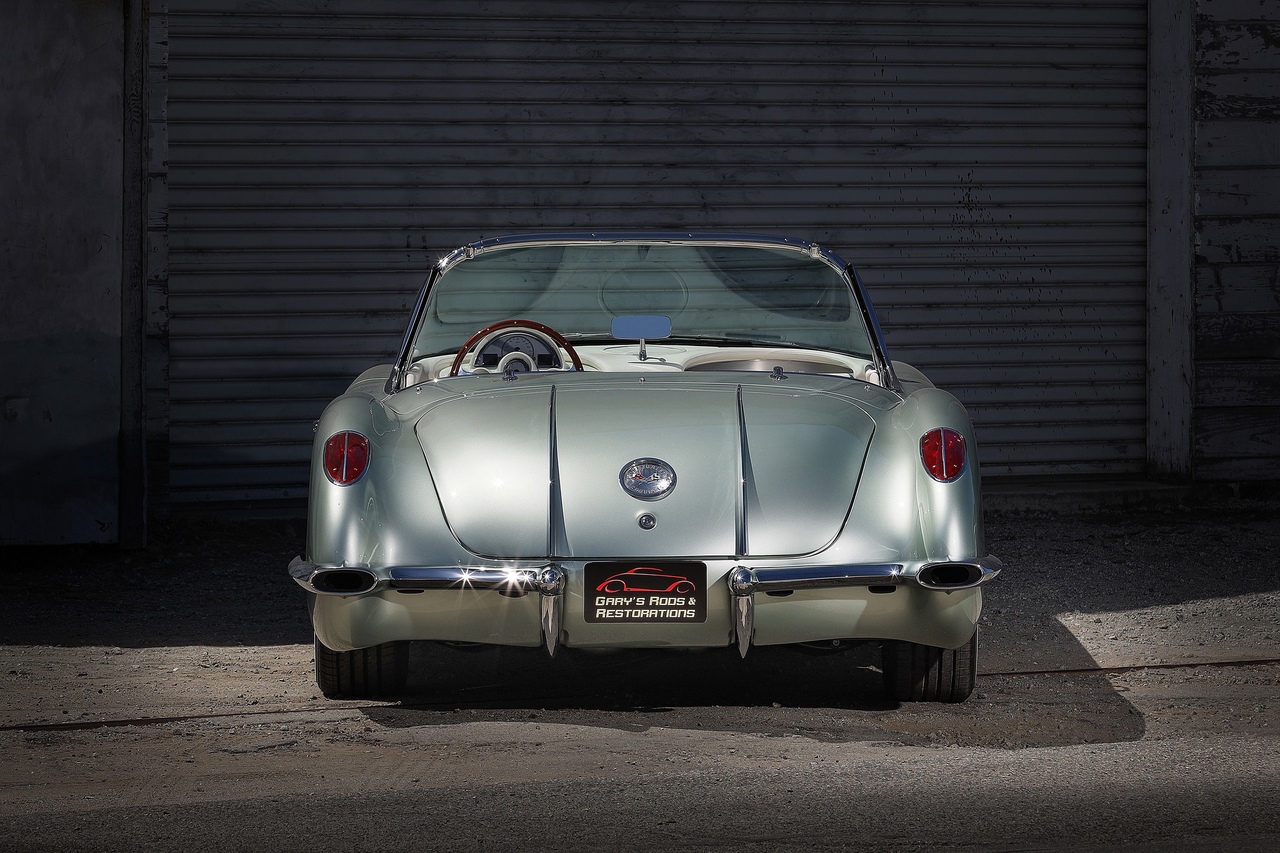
(534, 473)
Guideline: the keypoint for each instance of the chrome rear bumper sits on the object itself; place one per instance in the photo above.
(551, 580)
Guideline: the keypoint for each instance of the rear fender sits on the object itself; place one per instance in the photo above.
(900, 513)
(950, 514)
(340, 517)
(391, 515)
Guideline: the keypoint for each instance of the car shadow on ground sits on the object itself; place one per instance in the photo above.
(775, 691)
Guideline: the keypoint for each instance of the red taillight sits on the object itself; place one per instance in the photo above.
(943, 453)
(346, 455)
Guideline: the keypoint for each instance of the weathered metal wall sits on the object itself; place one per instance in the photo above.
(155, 307)
(983, 164)
(61, 71)
(1237, 224)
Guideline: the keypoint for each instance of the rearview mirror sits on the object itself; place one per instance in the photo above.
(641, 327)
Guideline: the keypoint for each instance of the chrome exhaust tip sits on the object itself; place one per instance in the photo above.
(343, 581)
(962, 575)
(336, 580)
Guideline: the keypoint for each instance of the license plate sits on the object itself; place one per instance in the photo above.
(645, 592)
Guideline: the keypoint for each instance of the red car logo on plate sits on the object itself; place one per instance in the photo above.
(646, 579)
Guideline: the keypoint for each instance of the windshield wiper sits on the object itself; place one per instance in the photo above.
(736, 340)
(761, 341)
(589, 337)
(743, 340)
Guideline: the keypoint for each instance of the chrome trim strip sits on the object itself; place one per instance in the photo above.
(460, 577)
(881, 355)
(744, 464)
(813, 577)
(621, 237)
(553, 470)
(395, 380)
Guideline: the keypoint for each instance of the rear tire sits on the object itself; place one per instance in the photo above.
(919, 673)
(362, 674)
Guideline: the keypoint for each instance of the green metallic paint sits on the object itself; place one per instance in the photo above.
(484, 472)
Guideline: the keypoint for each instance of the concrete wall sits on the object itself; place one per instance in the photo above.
(61, 77)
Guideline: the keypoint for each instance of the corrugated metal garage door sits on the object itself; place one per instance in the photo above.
(983, 164)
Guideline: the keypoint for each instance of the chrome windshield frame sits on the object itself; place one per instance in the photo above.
(395, 381)
(867, 312)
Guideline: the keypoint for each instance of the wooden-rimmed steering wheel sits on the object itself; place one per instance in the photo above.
(488, 333)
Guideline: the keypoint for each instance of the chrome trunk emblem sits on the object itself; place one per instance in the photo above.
(647, 479)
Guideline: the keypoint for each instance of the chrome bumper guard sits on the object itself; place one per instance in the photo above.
(943, 576)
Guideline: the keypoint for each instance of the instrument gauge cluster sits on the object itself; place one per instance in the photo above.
(543, 356)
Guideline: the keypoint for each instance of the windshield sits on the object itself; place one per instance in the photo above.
(738, 294)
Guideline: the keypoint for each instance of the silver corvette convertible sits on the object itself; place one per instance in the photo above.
(645, 441)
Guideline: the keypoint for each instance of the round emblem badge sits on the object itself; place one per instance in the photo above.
(647, 479)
